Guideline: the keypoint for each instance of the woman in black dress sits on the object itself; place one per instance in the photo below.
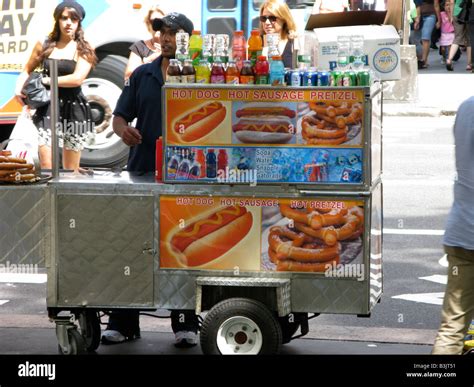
(75, 58)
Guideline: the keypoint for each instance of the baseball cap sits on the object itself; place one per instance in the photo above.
(175, 21)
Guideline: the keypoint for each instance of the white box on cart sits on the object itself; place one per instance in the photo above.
(381, 45)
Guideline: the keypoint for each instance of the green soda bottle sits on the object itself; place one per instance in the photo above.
(195, 47)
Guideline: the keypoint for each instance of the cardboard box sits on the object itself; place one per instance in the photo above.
(382, 42)
(382, 47)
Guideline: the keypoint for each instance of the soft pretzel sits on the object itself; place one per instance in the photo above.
(290, 265)
(314, 218)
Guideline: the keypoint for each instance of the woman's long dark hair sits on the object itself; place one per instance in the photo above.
(84, 49)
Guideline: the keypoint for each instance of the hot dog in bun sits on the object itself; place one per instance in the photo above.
(199, 122)
(264, 125)
(210, 237)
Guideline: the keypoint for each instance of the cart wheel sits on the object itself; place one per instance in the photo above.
(77, 345)
(240, 326)
(89, 324)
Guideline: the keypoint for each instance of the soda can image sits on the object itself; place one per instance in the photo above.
(295, 78)
(288, 76)
(324, 79)
(314, 78)
(336, 78)
(363, 78)
(349, 79)
(350, 175)
(307, 78)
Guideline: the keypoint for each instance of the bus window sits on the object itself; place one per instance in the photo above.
(216, 5)
(221, 25)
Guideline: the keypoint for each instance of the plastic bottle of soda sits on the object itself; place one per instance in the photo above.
(232, 73)
(247, 76)
(222, 160)
(184, 166)
(173, 164)
(255, 46)
(277, 72)
(217, 72)
(262, 70)
(195, 47)
(201, 160)
(211, 164)
(188, 73)
(195, 170)
(203, 72)
(239, 49)
(173, 74)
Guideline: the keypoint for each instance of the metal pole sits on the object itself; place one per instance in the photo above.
(53, 68)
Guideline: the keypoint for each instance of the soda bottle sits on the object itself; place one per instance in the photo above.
(201, 160)
(195, 170)
(195, 47)
(203, 73)
(255, 44)
(222, 160)
(239, 49)
(217, 72)
(262, 70)
(173, 164)
(184, 166)
(188, 73)
(247, 76)
(211, 164)
(277, 72)
(173, 74)
(182, 46)
(232, 73)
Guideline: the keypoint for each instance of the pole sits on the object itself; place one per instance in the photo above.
(53, 67)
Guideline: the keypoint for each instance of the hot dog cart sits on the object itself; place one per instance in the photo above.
(258, 233)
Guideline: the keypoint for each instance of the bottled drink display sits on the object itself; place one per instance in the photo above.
(255, 44)
(239, 49)
(173, 74)
(247, 76)
(188, 72)
(182, 46)
(262, 71)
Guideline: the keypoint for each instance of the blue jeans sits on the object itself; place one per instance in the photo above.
(428, 25)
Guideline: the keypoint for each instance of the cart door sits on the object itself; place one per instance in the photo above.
(105, 250)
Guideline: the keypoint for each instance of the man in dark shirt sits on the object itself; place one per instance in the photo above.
(141, 99)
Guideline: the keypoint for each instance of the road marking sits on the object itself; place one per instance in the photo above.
(437, 278)
(405, 231)
(426, 298)
(2, 302)
(23, 278)
(444, 261)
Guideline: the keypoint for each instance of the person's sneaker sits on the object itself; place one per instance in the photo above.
(112, 337)
(185, 339)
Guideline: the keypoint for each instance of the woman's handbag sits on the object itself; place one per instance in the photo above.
(36, 93)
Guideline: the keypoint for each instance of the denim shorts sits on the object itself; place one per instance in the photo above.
(429, 22)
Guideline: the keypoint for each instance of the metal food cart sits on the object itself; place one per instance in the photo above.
(109, 248)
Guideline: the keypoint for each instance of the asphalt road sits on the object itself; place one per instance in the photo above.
(418, 175)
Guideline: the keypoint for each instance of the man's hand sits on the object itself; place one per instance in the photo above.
(131, 136)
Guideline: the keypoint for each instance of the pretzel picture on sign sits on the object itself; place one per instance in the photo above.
(311, 239)
(331, 123)
(15, 169)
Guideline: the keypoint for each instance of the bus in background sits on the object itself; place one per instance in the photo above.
(111, 26)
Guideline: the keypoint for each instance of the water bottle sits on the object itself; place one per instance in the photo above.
(357, 51)
(273, 42)
(343, 52)
(222, 48)
(208, 47)
(182, 46)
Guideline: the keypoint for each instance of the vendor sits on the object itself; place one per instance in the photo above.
(141, 99)
(275, 18)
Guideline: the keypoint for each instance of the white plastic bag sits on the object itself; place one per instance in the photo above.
(23, 141)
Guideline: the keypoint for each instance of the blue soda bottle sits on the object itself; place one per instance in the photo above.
(211, 164)
(277, 71)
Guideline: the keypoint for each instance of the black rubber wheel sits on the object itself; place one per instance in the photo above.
(76, 343)
(89, 324)
(240, 326)
(96, 88)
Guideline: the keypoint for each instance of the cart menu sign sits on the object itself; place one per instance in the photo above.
(263, 135)
(262, 234)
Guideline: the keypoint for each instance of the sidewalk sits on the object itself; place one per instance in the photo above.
(439, 92)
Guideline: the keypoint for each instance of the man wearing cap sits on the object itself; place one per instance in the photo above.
(141, 99)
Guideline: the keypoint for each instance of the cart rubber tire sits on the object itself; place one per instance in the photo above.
(76, 341)
(223, 322)
(89, 324)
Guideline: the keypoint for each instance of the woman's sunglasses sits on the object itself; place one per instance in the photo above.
(272, 19)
